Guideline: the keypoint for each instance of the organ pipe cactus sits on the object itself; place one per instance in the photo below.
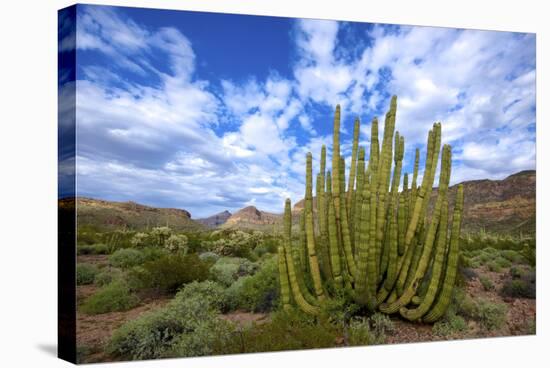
(370, 237)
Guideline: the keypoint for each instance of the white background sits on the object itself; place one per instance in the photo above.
(28, 181)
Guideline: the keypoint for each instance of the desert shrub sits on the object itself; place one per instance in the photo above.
(517, 272)
(210, 291)
(494, 266)
(153, 253)
(140, 240)
(512, 256)
(209, 257)
(107, 275)
(188, 326)
(126, 258)
(490, 315)
(287, 330)
(115, 296)
(503, 262)
(449, 325)
(258, 292)
(529, 251)
(92, 249)
(464, 304)
(359, 332)
(160, 234)
(85, 273)
(522, 287)
(486, 282)
(483, 258)
(168, 273)
(235, 243)
(369, 331)
(340, 309)
(227, 270)
(381, 326)
(177, 243)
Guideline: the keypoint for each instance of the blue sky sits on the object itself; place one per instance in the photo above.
(209, 112)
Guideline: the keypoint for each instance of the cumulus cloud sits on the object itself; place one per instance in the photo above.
(154, 130)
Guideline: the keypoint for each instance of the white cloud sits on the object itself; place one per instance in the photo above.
(178, 139)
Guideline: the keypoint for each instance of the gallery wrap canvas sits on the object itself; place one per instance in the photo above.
(236, 183)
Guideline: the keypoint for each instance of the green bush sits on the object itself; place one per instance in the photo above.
(209, 257)
(491, 315)
(107, 275)
(177, 243)
(486, 282)
(188, 326)
(359, 332)
(287, 330)
(92, 249)
(369, 331)
(126, 258)
(168, 273)
(450, 325)
(512, 256)
(494, 266)
(153, 253)
(522, 287)
(503, 262)
(115, 296)
(85, 273)
(227, 270)
(258, 292)
(140, 240)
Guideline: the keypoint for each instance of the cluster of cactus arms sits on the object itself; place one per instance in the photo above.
(378, 243)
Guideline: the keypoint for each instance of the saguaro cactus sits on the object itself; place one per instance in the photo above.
(373, 239)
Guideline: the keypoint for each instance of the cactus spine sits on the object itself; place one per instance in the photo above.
(373, 239)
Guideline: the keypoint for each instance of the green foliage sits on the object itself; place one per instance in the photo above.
(159, 235)
(107, 275)
(188, 326)
(450, 325)
(235, 243)
(209, 257)
(486, 282)
(168, 273)
(287, 330)
(529, 251)
(482, 239)
(522, 287)
(359, 332)
(258, 292)
(115, 296)
(512, 256)
(92, 249)
(126, 258)
(494, 266)
(227, 270)
(85, 273)
(491, 315)
(177, 243)
(140, 240)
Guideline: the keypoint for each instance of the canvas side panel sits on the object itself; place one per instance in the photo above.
(66, 246)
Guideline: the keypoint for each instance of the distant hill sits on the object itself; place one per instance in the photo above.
(253, 219)
(108, 215)
(215, 220)
(506, 206)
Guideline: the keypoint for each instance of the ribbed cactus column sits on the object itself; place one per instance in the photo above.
(424, 260)
(353, 169)
(373, 240)
(283, 278)
(305, 305)
(444, 298)
(310, 236)
(333, 236)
